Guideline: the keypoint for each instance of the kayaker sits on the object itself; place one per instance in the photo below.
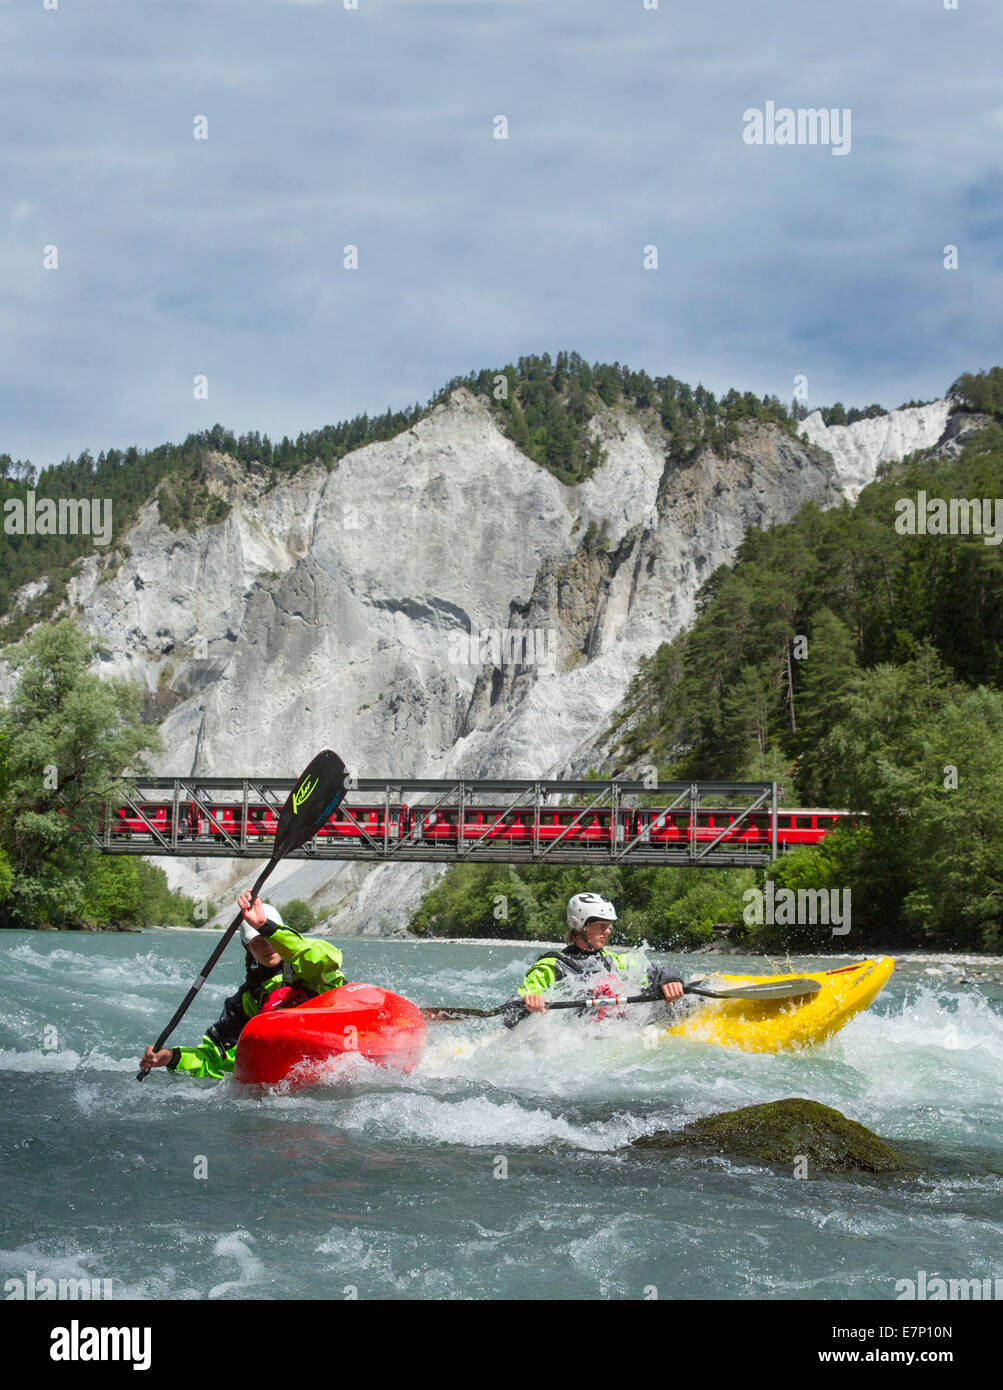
(283, 969)
(590, 920)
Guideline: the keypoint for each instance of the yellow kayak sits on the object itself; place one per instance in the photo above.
(772, 1025)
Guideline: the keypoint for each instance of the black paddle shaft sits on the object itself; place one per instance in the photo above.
(316, 795)
(780, 989)
(776, 989)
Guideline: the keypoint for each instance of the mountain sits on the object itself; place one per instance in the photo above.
(352, 608)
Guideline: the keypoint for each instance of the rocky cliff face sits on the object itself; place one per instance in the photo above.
(438, 604)
(858, 449)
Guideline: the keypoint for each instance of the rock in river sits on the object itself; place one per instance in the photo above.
(784, 1131)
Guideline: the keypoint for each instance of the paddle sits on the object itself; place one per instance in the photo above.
(316, 794)
(775, 989)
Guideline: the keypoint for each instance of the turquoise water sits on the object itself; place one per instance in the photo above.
(500, 1169)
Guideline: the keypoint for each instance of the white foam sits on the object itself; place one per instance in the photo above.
(237, 1246)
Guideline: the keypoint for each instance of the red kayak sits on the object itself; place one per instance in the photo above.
(297, 1045)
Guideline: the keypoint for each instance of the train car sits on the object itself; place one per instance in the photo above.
(139, 823)
(347, 823)
(221, 821)
(663, 829)
(800, 827)
(595, 827)
(809, 826)
(262, 821)
(515, 825)
(357, 822)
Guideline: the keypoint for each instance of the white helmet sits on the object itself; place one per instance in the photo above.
(248, 933)
(584, 906)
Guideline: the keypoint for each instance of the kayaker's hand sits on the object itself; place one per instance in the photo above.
(535, 1003)
(673, 990)
(155, 1059)
(254, 914)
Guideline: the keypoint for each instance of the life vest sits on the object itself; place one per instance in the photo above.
(286, 997)
(578, 965)
(590, 964)
(287, 991)
(606, 985)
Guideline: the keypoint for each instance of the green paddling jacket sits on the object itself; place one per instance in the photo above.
(309, 965)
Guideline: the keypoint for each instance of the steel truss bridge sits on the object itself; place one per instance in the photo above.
(460, 820)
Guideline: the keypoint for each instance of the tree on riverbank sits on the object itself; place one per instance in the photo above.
(67, 737)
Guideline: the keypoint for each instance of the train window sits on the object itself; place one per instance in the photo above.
(804, 822)
(784, 823)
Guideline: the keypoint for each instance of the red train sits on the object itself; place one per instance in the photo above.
(661, 829)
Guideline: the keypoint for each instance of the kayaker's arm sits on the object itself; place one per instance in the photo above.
(539, 978)
(529, 996)
(661, 978)
(152, 1059)
(216, 1047)
(208, 1059)
(655, 978)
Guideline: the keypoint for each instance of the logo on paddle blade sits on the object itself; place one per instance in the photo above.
(303, 793)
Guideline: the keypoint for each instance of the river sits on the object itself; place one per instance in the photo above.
(501, 1168)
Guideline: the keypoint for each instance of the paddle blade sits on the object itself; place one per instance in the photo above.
(775, 989)
(448, 1014)
(312, 801)
(445, 1015)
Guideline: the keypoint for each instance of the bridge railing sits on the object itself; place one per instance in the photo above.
(457, 820)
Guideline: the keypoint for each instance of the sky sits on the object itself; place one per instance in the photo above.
(203, 280)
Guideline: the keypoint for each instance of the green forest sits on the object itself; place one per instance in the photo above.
(858, 667)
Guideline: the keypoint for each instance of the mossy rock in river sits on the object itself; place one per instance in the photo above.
(785, 1131)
